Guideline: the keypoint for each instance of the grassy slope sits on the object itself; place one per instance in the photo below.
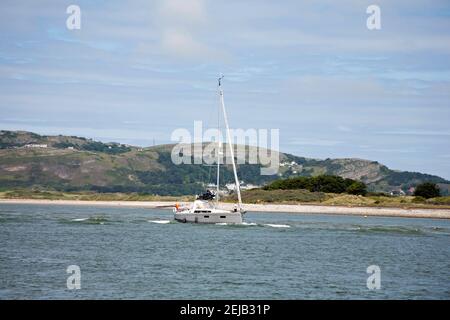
(306, 197)
(257, 196)
(87, 196)
(150, 170)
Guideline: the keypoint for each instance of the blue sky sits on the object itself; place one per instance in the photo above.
(137, 70)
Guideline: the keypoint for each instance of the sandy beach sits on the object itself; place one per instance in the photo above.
(285, 208)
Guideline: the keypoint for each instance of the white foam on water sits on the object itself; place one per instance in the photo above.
(80, 219)
(277, 225)
(221, 224)
(160, 221)
(249, 224)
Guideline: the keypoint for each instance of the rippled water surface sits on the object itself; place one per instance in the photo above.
(141, 253)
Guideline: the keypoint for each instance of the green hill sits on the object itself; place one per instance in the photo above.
(69, 163)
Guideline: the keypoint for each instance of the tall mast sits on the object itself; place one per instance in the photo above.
(230, 145)
(218, 153)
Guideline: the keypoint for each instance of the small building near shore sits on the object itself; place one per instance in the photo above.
(32, 145)
(398, 192)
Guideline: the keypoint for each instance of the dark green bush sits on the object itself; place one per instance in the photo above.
(321, 183)
(427, 190)
(357, 188)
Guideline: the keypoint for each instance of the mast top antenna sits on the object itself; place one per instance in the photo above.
(220, 79)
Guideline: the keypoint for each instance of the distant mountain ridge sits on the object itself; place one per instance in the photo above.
(70, 163)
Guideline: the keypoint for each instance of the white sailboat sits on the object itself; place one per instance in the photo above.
(205, 208)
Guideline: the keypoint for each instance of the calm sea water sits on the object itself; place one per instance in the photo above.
(137, 253)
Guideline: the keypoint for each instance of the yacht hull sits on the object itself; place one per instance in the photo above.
(209, 217)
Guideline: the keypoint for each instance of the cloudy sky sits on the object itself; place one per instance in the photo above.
(137, 70)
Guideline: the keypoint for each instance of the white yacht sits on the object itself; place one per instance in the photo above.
(205, 208)
(203, 211)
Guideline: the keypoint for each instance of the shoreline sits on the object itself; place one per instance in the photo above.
(280, 208)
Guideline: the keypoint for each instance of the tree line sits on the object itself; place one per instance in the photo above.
(321, 183)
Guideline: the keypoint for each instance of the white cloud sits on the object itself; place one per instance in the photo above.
(183, 27)
(344, 128)
(183, 12)
(180, 43)
(314, 142)
(415, 133)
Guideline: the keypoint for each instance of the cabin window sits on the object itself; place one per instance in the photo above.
(206, 216)
(223, 217)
